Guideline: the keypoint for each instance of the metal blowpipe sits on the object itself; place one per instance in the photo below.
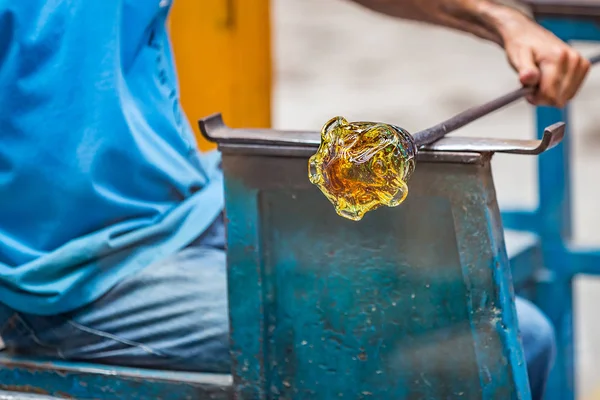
(438, 131)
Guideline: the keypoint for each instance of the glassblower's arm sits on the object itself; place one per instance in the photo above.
(540, 58)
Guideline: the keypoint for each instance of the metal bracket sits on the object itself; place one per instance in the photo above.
(553, 135)
(214, 130)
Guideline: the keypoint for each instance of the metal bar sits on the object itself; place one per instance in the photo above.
(438, 131)
(214, 130)
(520, 220)
(552, 136)
(583, 261)
(75, 380)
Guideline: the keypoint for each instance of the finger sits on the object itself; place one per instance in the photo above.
(552, 75)
(531, 99)
(539, 100)
(524, 62)
(572, 77)
(580, 71)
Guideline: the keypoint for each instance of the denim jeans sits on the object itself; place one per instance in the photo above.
(173, 315)
(170, 315)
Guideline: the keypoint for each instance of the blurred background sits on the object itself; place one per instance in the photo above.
(331, 57)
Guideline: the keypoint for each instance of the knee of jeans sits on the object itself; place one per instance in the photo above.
(546, 347)
(537, 333)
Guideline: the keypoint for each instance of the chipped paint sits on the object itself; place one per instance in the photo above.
(411, 302)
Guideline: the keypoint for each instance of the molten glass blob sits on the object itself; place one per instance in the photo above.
(361, 166)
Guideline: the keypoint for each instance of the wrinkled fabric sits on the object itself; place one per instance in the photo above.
(99, 173)
(170, 315)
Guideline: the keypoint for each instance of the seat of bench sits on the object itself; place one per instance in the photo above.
(24, 396)
(565, 8)
(84, 381)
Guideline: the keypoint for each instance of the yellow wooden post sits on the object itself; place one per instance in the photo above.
(223, 56)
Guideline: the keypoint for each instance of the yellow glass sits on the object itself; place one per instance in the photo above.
(361, 166)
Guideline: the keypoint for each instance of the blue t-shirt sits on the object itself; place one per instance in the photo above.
(99, 172)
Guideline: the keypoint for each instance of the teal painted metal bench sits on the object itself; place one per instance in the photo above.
(414, 302)
(57, 379)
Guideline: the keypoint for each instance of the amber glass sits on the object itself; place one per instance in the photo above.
(361, 166)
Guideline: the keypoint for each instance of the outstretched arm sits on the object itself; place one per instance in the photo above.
(539, 57)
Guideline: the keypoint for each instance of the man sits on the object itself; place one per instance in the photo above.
(111, 234)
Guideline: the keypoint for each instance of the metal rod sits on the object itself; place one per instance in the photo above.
(438, 131)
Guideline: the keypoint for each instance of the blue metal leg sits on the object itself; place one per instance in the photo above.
(554, 182)
(554, 295)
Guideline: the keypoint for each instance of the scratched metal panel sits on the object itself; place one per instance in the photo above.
(413, 302)
(353, 311)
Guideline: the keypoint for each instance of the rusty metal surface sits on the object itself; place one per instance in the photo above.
(565, 8)
(89, 381)
(301, 142)
(412, 302)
